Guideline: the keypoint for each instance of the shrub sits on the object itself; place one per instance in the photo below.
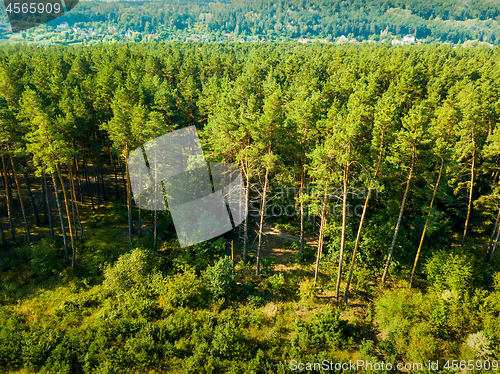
(423, 345)
(307, 256)
(181, 289)
(276, 282)
(206, 252)
(324, 329)
(307, 292)
(477, 346)
(62, 359)
(450, 271)
(143, 351)
(397, 311)
(228, 340)
(46, 260)
(415, 323)
(362, 277)
(133, 270)
(288, 227)
(367, 350)
(267, 265)
(10, 339)
(38, 345)
(220, 277)
(96, 220)
(256, 301)
(496, 281)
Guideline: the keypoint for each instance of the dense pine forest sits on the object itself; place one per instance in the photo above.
(373, 181)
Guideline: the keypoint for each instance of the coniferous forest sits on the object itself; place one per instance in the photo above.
(373, 182)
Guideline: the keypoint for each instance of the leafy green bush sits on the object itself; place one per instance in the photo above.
(322, 330)
(96, 220)
(267, 265)
(63, 359)
(208, 252)
(133, 270)
(288, 227)
(256, 300)
(181, 289)
(11, 337)
(307, 256)
(228, 338)
(450, 271)
(367, 350)
(144, 352)
(220, 277)
(46, 259)
(38, 345)
(415, 323)
(276, 282)
(307, 292)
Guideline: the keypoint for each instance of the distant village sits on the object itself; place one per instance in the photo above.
(66, 34)
(407, 39)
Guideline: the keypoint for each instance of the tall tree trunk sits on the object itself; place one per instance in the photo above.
(314, 224)
(345, 180)
(358, 235)
(9, 200)
(9, 181)
(155, 233)
(469, 207)
(129, 197)
(117, 195)
(301, 194)
(398, 224)
(75, 227)
(3, 243)
(80, 191)
(21, 200)
(44, 204)
(124, 177)
(76, 204)
(245, 228)
(139, 218)
(47, 202)
(426, 222)
(321, 233)
(72, 198)
(262, 214)
(32, 200)
(66, 203)
(87, 181)
(492, 237)
(2, 236)
(101, 173)
(115, 172)
(494, 247)
(3, 177)
(61, 217)
(97, 184)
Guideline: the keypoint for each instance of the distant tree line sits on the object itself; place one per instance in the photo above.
(452, 21)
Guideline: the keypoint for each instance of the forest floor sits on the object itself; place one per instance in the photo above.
(275, 246)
